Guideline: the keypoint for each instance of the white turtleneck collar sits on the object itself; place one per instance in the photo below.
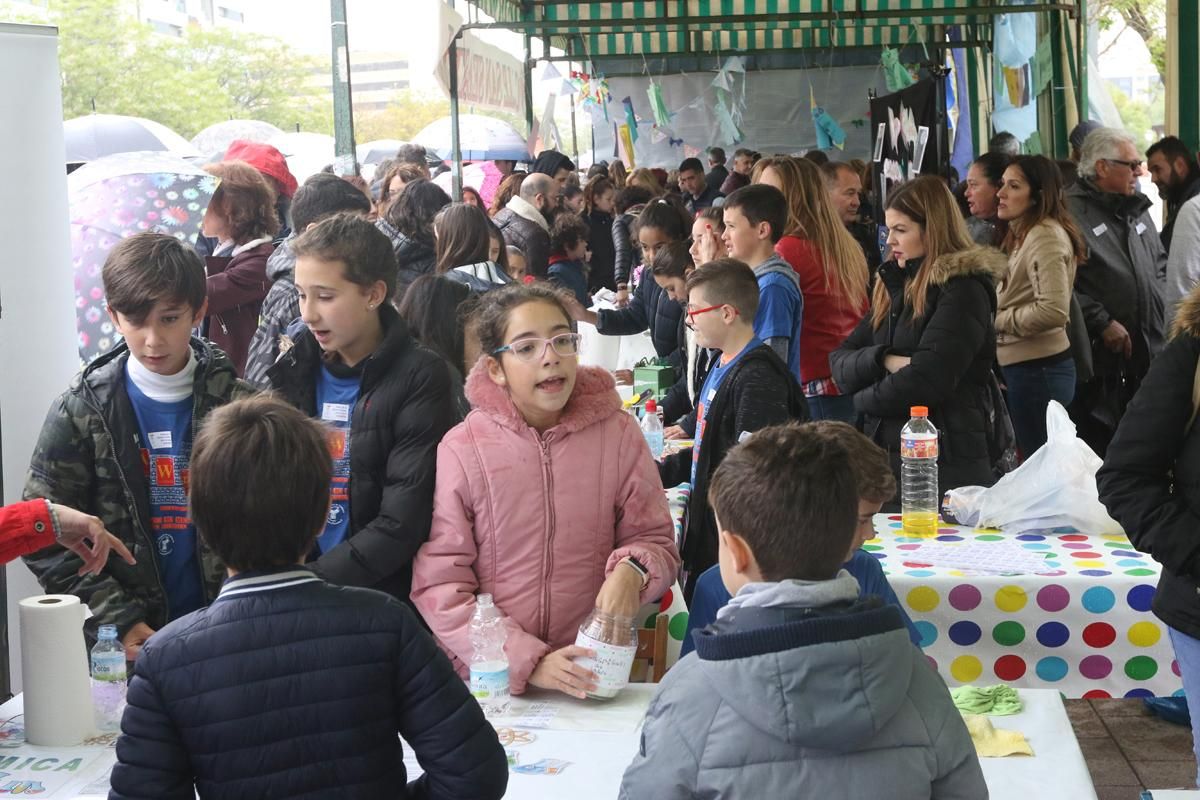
(163, 388)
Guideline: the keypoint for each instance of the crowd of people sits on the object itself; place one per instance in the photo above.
(377, 387)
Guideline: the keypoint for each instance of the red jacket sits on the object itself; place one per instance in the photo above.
(236, 288)
(24, 528)
(828, 318)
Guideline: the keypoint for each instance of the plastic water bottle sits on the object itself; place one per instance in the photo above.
(652, 429)
(919, 475)
(108, 680)
(489, 664)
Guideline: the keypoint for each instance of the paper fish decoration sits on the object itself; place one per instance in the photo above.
(626, 137)
(894, 73)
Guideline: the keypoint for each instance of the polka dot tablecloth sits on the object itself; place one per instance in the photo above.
(1083, 626)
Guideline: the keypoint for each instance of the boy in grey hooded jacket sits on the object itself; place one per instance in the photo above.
(800, 688)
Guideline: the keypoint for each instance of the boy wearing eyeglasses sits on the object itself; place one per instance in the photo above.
(747, 388)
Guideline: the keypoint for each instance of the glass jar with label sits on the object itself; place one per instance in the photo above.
(614, 640)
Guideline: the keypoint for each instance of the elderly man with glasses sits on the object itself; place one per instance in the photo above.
(1120, 286)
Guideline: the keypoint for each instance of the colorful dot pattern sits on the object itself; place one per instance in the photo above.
(675, 608)
(1083, 626)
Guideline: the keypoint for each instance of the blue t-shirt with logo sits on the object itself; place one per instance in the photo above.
(711, 384)
(336, 396)
(166, 431)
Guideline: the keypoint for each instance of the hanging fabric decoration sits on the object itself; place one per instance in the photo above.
(829, 133)
(662, 117)
(1016, 39)
(675, 142)
(730, 133)
(626, 139)
(630, 117)
(603, 95)
(894, 73)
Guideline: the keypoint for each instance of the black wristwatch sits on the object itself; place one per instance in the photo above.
(640, 567)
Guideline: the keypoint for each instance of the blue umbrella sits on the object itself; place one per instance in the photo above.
(98, 135)
(480, 139)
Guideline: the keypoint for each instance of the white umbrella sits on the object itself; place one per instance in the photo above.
(306, 153)
(217, 138)
(480, 139)
(97, 135)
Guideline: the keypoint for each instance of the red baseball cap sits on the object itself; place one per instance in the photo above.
(266, 159)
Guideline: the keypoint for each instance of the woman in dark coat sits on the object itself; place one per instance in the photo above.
(1150, 483)
(241, 217)
(930, 339)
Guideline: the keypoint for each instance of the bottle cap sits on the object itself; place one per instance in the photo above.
(107, 632)
(651, 405)
(483, 599)
(920, 411)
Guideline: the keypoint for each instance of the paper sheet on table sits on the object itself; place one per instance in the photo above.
(612, 352)
(621, 714)
(991, 558)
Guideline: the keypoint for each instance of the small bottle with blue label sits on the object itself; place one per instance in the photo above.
(108, 680)
(489, 664)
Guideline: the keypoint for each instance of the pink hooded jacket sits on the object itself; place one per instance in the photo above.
(539, 521)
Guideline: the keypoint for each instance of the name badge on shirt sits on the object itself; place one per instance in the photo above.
(160, 440)
(1141, 228)
(335, 412)
(1100, 229)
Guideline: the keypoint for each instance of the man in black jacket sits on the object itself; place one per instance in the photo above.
(1174, 171)
(717, 172)
(1120, 286)
(748, 387)
(287, 686)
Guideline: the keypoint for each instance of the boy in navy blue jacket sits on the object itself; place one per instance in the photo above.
(569, 254)
(287, 686)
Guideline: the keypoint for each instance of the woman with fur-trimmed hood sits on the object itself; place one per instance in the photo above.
(930, 339)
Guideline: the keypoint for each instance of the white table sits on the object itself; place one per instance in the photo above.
(598, 760)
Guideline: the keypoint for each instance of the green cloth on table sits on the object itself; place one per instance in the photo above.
(999, 700)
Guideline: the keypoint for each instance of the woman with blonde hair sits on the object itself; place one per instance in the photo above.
(930, 339)
(645, 179)
(1044, 247)
(833, 277)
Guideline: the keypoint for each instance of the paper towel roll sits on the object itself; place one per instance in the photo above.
(54, 662)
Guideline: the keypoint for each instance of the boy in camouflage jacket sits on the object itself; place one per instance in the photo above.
(91, 453)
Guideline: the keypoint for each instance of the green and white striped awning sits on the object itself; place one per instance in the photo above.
(662, 27)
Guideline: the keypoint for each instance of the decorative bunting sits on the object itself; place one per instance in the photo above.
(829, 133)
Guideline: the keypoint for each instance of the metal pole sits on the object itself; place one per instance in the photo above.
(1081, 61)
(528, 86)
(455, 143)
(574, 134)
(343, 108)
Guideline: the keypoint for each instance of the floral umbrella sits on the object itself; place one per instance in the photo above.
(118, 196)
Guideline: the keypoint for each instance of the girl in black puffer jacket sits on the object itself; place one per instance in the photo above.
(409, 225)
(930, 339)
(387, 401)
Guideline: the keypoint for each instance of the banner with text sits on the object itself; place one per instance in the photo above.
(488, 77)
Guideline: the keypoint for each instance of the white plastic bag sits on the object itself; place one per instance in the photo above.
(612, 352)
(1055, 487)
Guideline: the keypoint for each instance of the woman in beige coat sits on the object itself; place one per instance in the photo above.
(1044, 248)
